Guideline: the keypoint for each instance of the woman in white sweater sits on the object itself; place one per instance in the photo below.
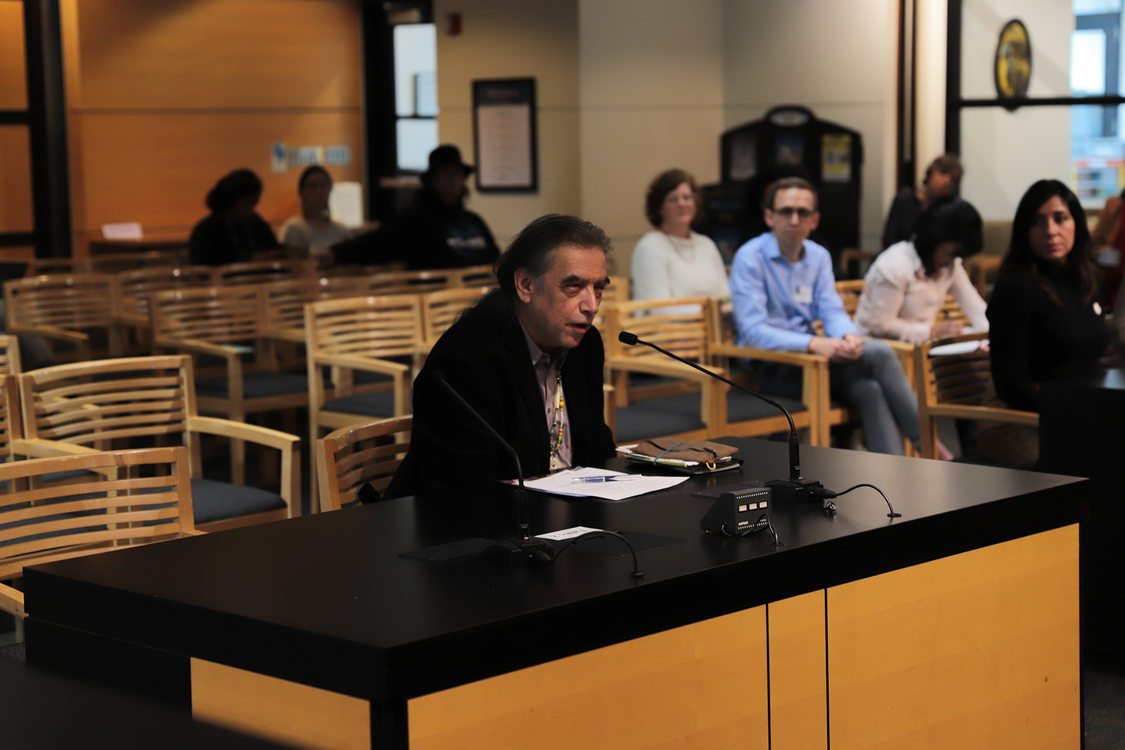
(906, 285)
(672, 260)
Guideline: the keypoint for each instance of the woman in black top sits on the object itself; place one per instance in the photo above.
(233, 232)
(1044, 320)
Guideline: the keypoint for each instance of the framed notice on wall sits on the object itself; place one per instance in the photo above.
(504, 135)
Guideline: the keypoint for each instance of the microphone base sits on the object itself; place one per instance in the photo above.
(795, 490)
(520, 553)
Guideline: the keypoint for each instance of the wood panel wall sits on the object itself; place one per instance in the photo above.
(165, 98)
(15, 148)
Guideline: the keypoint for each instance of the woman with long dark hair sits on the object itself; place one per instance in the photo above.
(906, 285)
(233, 232)
(1045, 320)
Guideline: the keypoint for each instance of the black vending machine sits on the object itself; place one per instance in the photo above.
(788, 141)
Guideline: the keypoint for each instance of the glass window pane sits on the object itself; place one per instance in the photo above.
(1087, 62)
(1097, 153)
(15, 179)
(415, 66)
(416, 139)
(13, 76)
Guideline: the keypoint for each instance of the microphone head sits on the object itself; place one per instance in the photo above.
(627, 338)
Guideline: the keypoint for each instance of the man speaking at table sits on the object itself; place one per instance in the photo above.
(529, 361)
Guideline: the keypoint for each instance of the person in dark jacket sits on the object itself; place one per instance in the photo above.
(233, 232)
(942, 181)
(435, 230)
(1045, 322)
(528, 359)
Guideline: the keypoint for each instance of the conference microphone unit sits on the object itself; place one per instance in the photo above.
(795, 489)
(521, 551)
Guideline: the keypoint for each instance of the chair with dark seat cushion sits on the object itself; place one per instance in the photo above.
(84, 407)
(362, 454)
(357, 337)
(136, 496)
(224, 325)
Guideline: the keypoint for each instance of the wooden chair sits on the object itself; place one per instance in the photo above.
(853, 257)
(953, 385)
(476, 276)
(981, 267)
(260, 271)
(283, 314)
(440, 310)
(135, 288)
(350, 457)
(69, 310)
(115, 263)
(10, 429)
(360, 340)
(223, 325)
(412, 282)
(753, 417)
(86, 406)
(668, 399)
(10, 355)
(126, 498)
(850, 292)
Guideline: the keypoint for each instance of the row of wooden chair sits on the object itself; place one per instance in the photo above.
(79, 311)
(690, 405)
(119, 499)
(85, 407)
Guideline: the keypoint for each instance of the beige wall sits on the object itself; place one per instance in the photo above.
(837, 59)
(929, 129)
(1004, 152)
(652, 98)
(515, 39)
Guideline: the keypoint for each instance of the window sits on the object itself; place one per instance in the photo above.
(415, 55)
(1097, 149)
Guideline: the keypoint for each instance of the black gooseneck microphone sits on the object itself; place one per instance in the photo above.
(795, 489)
(522, 551)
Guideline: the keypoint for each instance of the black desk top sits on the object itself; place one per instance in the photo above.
(300, 599)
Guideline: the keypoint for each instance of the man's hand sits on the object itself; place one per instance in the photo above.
(837, 350)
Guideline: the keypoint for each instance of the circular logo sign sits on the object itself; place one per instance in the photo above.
(1013, 61)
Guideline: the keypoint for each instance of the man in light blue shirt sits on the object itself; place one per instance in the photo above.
(781, 283)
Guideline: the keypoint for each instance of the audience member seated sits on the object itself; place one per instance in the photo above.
(906, 285)
(1045, 320)
(942, 180)
(312, 232)
(781, 284)
(234, 232)
(435, 230)
(1109, 250)
(528, 359)
(674, 261)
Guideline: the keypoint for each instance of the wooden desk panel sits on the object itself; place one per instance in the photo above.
(798, 673)
(700, 686)
(980, 649)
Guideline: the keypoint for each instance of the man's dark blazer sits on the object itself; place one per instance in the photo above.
(484, 356)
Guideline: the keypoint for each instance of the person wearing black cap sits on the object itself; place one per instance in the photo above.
(435, 230)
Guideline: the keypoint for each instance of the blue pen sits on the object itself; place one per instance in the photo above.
(607, 478)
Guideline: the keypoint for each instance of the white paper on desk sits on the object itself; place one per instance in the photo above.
(562, 483)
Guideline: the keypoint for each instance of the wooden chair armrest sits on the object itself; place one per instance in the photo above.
(384, 366)
(51, 332)
(654, 366)
(900, 347)
(200, 347)
(800, 359)
(959, 411)
(11, 601)
(40, 448)
(253, 433)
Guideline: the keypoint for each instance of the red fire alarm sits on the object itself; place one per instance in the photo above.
(453, 24)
